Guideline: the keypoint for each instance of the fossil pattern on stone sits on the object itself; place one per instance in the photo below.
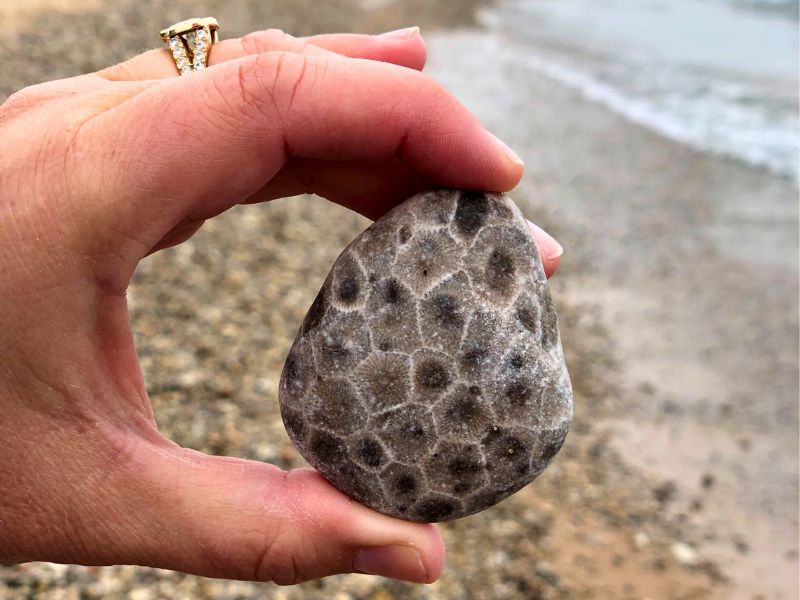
(427, 380)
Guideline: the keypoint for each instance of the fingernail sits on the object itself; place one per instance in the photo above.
(547, 243)
(397, 562)
(400, 34)
(512, 156)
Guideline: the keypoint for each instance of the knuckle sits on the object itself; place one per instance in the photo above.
(18, 103)
(427, 87)
(297, 45)
(270, 39)
(287, 41)
(24, 98)
(260, 41)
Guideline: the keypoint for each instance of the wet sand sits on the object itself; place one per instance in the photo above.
(678, 305)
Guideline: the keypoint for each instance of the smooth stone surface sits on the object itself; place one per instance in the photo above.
(427, 380)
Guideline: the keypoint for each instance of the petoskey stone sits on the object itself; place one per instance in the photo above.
(427, 380)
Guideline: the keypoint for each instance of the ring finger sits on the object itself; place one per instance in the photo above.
(404, 47)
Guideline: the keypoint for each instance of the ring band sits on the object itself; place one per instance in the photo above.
(190, 42)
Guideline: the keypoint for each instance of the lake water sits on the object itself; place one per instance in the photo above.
(719, 75)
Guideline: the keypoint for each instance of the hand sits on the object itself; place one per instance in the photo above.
(102, 169)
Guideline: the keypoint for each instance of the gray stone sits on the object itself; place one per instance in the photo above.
(427, 380)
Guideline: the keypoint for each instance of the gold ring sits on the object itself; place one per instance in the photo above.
(190, 42)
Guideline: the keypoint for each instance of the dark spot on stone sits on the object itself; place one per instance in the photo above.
(463, 466)
(462, 487)
(433, 375)
(464, 411)
(553, 444)
(316, 313)
(446, 311)
(500, 271)
(291, 371)
(373, 278)
(472, 211)
(424, 272)
(384, 347)
(405, 234)
(416, 430)
(327, 448)
(294, 424)
(527, 317)
(492, 433)
(402, 484)
(474, 390)
(405, 485)
(517, 361)
(370, 452)
(473, 356)
(393, 292)
(336, 348)
(518, 393)
(348, 289)
(435, 509)
(408, 431)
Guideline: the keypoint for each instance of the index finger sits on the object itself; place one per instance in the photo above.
(211, 140)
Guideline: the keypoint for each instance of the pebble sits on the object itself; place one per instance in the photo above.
(685, 554)
(427, 380)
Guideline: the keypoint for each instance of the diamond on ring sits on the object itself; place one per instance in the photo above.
(190, 42)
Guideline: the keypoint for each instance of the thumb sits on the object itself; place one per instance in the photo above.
(240, 519)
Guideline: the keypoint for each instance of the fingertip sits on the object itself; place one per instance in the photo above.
(510, 155)
(399, 34)
(513, 167)
(549, 249)
(434, 559)
(551, 266)
(405, 47)
(378, 544)
(404, 561)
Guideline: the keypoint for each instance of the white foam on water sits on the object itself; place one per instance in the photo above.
(713, 75)
(719, 120)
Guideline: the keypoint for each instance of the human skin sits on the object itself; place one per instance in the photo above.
(100, 170)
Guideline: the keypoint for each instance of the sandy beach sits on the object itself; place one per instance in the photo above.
(677, 298)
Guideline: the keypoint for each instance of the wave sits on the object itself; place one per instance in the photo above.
(718, 121)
